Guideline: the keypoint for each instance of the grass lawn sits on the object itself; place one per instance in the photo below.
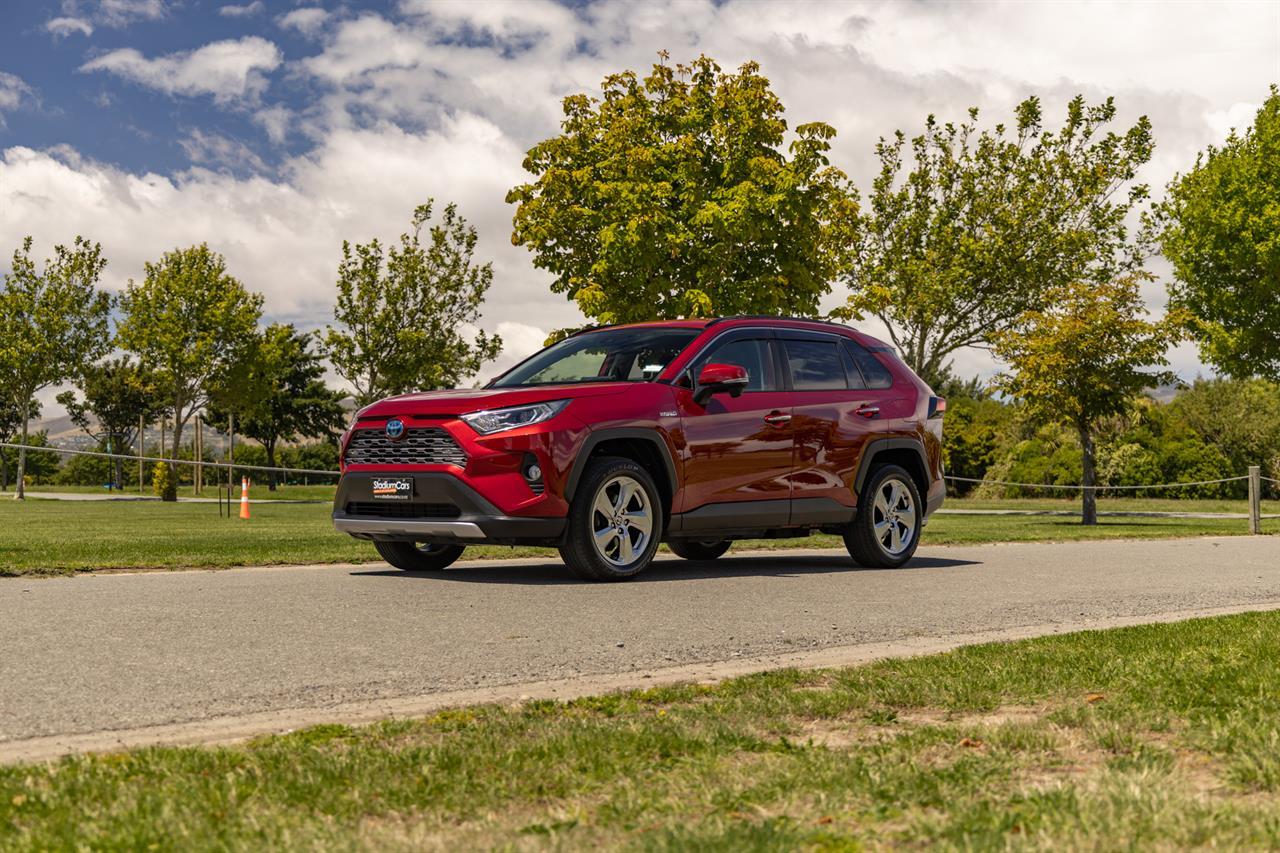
(1105, 504)
(61, 537)
(259, 491)
(1158, 737)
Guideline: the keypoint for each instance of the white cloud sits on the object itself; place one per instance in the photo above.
(284, 237)
(114, 13)
(276, 121)
(63, 27)
(14, 92)
(307, 20)
(228, 70)
(1236, 117)
(245, 11)
(216, 150)
(442, 99)
(367, 44)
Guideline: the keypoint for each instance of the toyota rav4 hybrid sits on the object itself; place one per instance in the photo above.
(689, 432)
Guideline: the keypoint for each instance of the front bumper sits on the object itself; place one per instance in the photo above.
(459, 513)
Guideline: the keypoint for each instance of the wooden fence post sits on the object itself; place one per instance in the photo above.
(1255, 499)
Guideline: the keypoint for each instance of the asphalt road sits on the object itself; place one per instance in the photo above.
(111, 652)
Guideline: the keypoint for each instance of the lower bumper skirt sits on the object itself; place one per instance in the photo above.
(476, 520)
(391, 527)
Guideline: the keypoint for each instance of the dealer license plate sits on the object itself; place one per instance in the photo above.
(393, 488)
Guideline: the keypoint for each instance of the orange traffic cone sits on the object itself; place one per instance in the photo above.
(244, 497)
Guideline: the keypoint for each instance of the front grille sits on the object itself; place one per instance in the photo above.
(390, 509)
(420, 446)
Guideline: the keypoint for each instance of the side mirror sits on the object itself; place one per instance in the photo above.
(720, 379)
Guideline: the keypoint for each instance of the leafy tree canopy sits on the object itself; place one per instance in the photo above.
(293, 401)
(400, 313)
(117, 393)
(976, 228)
(1222, 235)
(672, 196)
(1080, 359)
(53, 320)
(191, 323)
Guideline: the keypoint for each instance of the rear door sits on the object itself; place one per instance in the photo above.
(834, 415)
(738, 450)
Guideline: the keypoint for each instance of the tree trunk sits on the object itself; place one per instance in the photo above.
(271, 463)
(4, 470)
(1089, 506)
(19, 492)
(173, 466)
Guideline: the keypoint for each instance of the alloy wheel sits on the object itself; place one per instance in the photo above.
(621, 520)
(895, 517)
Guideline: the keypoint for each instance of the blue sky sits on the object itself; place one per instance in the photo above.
(275, 130)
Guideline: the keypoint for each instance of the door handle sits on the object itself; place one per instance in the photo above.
(867, 411)
(777, 419)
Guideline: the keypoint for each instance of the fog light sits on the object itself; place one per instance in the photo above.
(533, 472)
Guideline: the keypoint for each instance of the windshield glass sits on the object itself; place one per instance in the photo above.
(609, 355)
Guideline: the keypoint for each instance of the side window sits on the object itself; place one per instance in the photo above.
(753, 354)
(875, 373)
(856, 382)
(815, 366)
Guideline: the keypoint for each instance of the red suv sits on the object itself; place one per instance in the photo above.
(689, 432)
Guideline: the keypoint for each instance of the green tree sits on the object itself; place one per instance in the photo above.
(52, 321)
(117, 394)
(1221, 225)
(400, 312)
(973, 437)
(985, 225)
(296, 402)
(672, 196)
(191, 323)
(10, 423)
(1079, 361)
(1240, 417)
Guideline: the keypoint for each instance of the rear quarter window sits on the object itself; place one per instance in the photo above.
(875, 374)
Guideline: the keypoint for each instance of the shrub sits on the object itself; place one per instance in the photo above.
(163, 482)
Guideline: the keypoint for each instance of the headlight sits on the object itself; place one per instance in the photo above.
(499, 420)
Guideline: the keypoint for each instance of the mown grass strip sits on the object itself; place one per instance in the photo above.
(1160, 736)
(57, 537)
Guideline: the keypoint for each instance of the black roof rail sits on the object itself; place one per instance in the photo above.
(775, 317)
(713, 321)
(586, 329)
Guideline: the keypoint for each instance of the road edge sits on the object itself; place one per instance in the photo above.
(237, 728)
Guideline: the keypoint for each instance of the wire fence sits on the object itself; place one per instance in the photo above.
(1096, 488)
(333, 473)
(225, 465)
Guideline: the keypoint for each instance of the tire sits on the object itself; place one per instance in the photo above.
(606, 538)
(886, 528)
(413, 557)
(695, 549)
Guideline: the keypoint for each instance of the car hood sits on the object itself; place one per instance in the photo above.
(460, 401)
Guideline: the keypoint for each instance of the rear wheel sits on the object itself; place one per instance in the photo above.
(696, 549)
(886, 528)
(413, 557)
(615, 521)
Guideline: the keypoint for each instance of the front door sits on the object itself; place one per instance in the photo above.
(738, 450)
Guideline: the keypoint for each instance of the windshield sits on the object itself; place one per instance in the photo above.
(609, 355)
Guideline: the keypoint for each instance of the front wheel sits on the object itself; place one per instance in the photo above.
(615, 521)
(886, 528)
(413, 557)
(694, 549)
